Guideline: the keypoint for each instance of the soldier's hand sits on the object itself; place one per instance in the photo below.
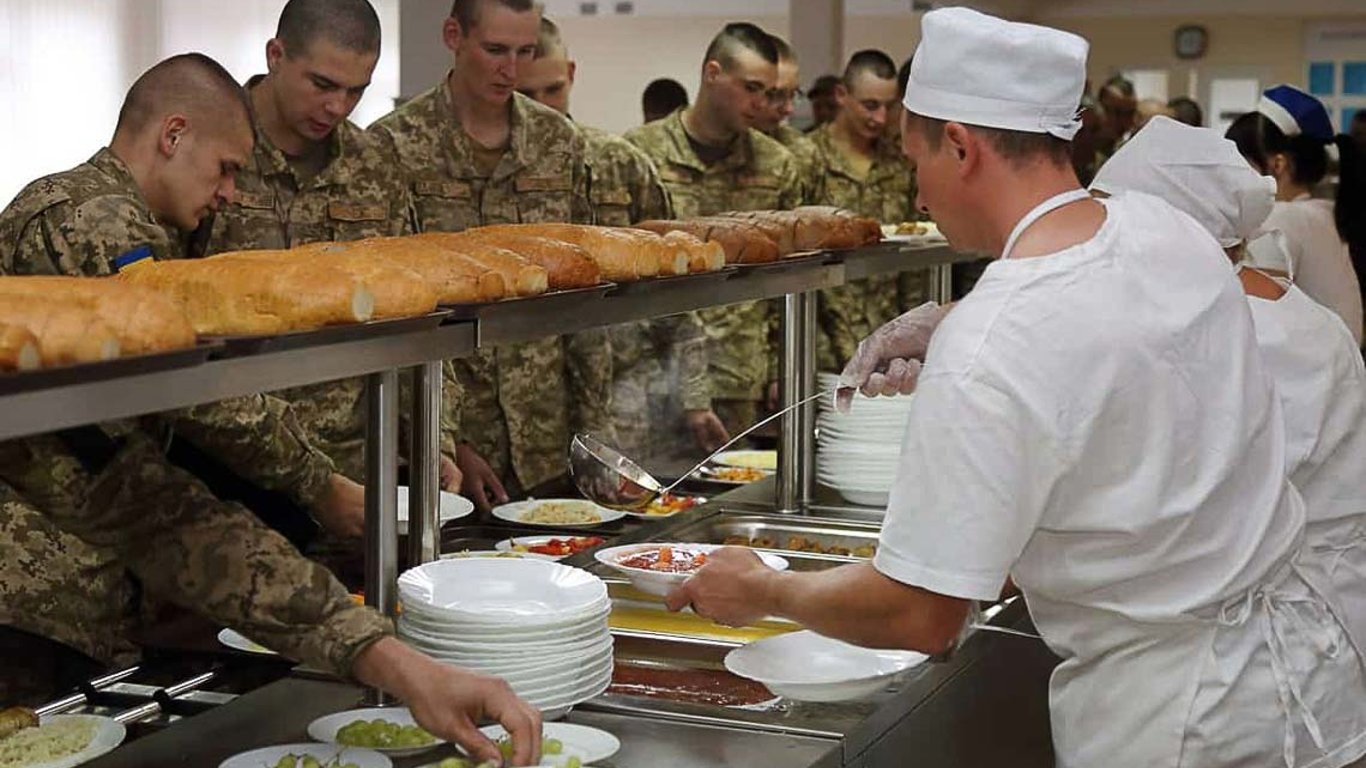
(773, 396)
(450, 475)
(450, 702)
(707, 429)
(480, 483)
(342, 511)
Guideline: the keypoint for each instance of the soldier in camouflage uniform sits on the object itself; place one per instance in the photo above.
(475, 152)
(314, 176)
(660, 398)
(711, 160)
(866, 173)
(773, 121)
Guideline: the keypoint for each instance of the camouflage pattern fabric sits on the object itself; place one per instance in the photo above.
(759, 174)
(520, 402)
(848, 314)
(809, 166)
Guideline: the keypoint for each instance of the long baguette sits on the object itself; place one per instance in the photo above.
(567, 265)
(66, 334)
(703, 255)
(742, 242)
(398, 291)
(18, 348)
(144, 320)
(523, 277)
(235, 297)
(622, 254)
(456, 278)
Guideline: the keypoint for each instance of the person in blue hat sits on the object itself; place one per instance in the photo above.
(1291, 138)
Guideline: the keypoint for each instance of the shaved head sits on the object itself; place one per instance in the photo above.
(350, 24)
(190, 84)
(785, 52)
(549, 44)
(873, 62)
(741, 36)
(467, 12)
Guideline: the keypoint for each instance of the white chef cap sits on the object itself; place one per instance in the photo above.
(977, 69)
(1197, 171)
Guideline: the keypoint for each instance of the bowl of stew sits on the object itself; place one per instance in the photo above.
(657, 568)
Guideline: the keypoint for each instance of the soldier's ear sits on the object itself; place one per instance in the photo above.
(172, 129)
(452, 34)
(711, 70)
(275, 50)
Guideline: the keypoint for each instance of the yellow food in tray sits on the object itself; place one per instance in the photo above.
(643, 617)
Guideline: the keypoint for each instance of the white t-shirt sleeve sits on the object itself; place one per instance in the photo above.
(972, 483)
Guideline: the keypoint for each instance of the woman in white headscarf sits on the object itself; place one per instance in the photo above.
(1311, 355)
(1290, 138)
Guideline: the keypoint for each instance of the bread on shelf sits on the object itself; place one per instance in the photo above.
(398, 291)
(567, 265)
(66, 334)
(144, 320)
(18, 348)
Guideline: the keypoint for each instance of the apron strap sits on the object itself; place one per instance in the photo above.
(1039, 211)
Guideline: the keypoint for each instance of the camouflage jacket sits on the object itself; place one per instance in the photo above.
(520, 402)
(659, 365)
(848, 314)
(759, 174)
(182, 544)
(358, 194)
(804, 151)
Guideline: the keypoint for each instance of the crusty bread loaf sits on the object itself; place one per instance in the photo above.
(456, 278)
(740, 241)
(18, 348)
(249, 297)
(144, 321)
(779, 230)
(703, 255)
(623, 255)
(523, 277)
(398, 291)
(867, 230)
(567, 265)
(813, 228)
(66, 333)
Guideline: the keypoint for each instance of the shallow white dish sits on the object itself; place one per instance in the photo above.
(587, 744)
(501, 591)
(453, 507)
(325, 728)
(506, 545)
(267, 757)
(240, 642)
(877, 499)
(515, 511)
(809, 667)
(109, 733)
(662, 582)
(485, 554)
(747, 459)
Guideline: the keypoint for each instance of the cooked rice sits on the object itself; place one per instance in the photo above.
(562, 513)
(51, 741)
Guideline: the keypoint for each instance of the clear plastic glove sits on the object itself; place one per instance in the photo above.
(888, 361)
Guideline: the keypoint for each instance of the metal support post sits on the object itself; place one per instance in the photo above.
(789, 387)
(424, 466)
(806, 424)
(941, 283)
(381, 496)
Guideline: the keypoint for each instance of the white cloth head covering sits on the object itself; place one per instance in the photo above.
(977, 69)
(1196, 170)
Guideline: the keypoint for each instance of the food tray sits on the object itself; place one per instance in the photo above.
(88, 373)
(240, 346)
(553, 299)
(651, 284)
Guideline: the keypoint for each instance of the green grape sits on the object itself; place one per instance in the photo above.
(453, 762)
(311, 762)
(573, 762)
(552, 747)
(505, 746)
(287, 761)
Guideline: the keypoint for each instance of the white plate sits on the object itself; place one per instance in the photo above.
(240, 642)
(765, 460)
(877, 499)
(588, 744)
(109, 733)
(453, 507)
(267, 757)
(513, 512)
(325, 728)
(809, 667)
(501, 591)
(490, 553)
(662, 582)
(506, 545)
(709, 474)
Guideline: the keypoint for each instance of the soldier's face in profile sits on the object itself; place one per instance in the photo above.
(547, 80)
(490, 54)
(317, 88)
(201, 176)
(865, 105)
(781, 101)
(742, 89)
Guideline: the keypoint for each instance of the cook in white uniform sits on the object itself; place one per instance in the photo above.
(1094, 422)
(1312, 357)
(1288, 138)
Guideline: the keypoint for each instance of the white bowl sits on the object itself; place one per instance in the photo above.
(269, 756)
(865, 498)
(325, 728)
(662, 582)
(493, 651)
(482, 634)
(529, 667)
(452, 507)
(809, 667)
(515, 511)
(506, 591)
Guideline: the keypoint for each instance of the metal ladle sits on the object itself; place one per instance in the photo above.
(606, 477)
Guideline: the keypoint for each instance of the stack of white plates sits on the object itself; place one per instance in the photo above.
(539, 625)
(857, 452)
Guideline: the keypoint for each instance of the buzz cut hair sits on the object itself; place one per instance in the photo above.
(191, 84)
(548, 40)
(738, 36)
(1120, 85)
(467, 12)
(349, 24)
(1019, 148)
(870, 61)
(785, 52)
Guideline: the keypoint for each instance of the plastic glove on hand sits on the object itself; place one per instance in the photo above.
(888, 361)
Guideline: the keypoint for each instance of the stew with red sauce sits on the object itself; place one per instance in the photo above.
(666, 560)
